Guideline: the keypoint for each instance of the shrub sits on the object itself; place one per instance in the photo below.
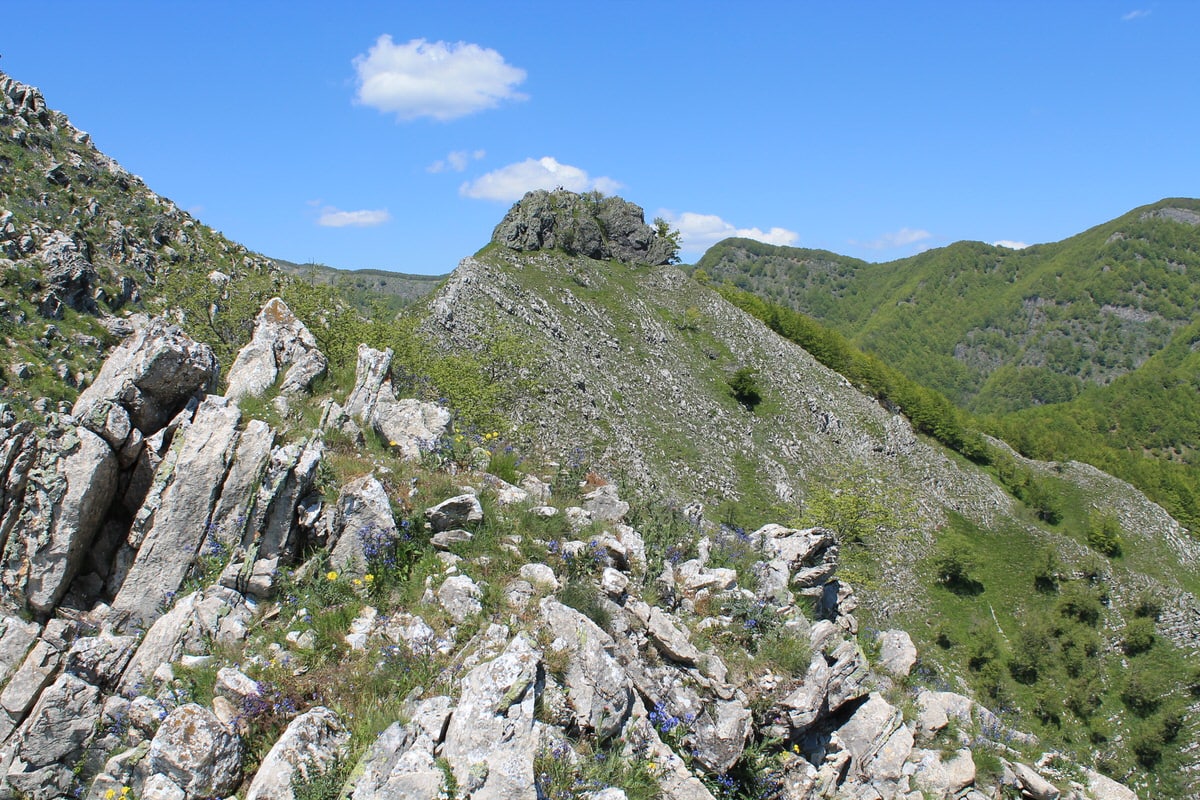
(1139, 636)
(1104, 534)
(744, 387)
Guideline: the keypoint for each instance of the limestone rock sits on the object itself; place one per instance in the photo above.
(491, 741)
(197, 752)
(1032, 783)
(311, 745)
(410, 426)
(174, 531)
(152, 375)
(877, 740)
(280, 340)
(397, 766)
(461, 511)
(54, 737)
(897, 654)
(598, 690)
(603, 503)
(364, 526)
(940, 778)
(460, 597)
(64, 503)
(586, 225)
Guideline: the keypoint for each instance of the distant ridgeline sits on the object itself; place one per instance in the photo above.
(1082, 349)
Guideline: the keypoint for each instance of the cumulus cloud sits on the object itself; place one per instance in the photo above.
(442, 80)
(697, 232)
(456, 161)
(512, 182)
(1137, 13)
(1010, 244)
(335, 218)
(900, 238)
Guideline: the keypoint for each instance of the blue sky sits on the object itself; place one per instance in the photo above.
(396, 135)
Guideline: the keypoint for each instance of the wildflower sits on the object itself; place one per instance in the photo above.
(110, 794)
(368, 577)
(124, 791)
(394, 443)
(331, 575)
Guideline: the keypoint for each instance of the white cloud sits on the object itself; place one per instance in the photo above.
(900, 238)
(1010, 244)
(456, 161)
(512, 182)
(1137, 13)
(335, 218)
(697, 232)
(442, 80)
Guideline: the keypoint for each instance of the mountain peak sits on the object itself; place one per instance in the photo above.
(589, 225)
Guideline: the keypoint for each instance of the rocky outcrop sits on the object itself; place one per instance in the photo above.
(411, 427)
(280, 342)
(151, 377)
(587, 225)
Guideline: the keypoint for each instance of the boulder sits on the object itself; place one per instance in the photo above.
(1033, 784)
(897, 654)
(492, 741)
(941, 779)
(364, 529)
(462, 511)
(280, 341)
(598, 690)
(312, 744)
(197, 752)
(459, 595)
(152, 375)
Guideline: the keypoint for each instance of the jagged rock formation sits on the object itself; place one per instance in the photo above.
(587, 225)
(647, 679)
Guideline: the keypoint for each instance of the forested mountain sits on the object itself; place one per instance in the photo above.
(1079, 349)
(996, 329)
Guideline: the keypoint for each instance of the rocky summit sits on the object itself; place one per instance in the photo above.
(575, 527)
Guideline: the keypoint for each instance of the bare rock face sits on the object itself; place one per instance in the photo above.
(410, 426)
(598, 690)
(152, 375)
(311, 745)
(197, 752)
(64, 503)
(587, 225)
(53, 738)
(491, 741)
(171, 533)
(280, 341)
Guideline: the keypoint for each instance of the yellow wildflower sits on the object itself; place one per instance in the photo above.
(368, 577)
(110, 794)
(124, 791)
(331, 575)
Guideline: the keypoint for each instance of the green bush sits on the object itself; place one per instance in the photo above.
(1104, 534)
(1139, 636)
(744, 387)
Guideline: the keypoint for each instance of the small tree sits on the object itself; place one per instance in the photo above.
(744, 387)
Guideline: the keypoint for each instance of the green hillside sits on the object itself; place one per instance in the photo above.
(1082, 349)
(1050, 319)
